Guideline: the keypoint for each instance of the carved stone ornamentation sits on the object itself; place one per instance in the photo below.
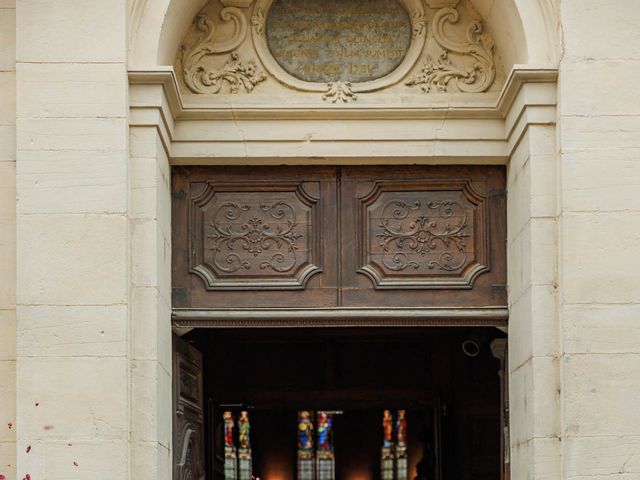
(198, 76)
(440, 74)
(339, 91)
(236, 75)
(419, 23)
(256, 239)
(423, 236)
(330, 48)
(257, 22)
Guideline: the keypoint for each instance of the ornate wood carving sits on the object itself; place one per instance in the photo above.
(255, 235)
(429, 239)
(423, 235)
(188, 429)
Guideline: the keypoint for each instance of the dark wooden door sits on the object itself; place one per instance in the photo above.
(188, 419)
(339, 237)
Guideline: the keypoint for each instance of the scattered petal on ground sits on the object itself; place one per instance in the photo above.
(28, 448)
(74, 463)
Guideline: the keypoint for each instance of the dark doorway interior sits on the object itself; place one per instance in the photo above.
(452, 400)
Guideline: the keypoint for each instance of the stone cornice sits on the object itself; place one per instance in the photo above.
(454, 133)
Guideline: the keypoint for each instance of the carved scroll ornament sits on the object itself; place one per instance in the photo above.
(449, 63)
(235, 74)
(255, 236)
(251, 242)
(441, 73)
(423, 235)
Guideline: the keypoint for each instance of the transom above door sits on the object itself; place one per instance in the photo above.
(322, 237)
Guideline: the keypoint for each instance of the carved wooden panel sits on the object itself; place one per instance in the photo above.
(338, 237)
(188, 422)
(423, 237)
(423, 234)
(248, 237)
(255, 235)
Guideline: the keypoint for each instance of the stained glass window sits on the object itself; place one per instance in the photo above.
(230, 458)
(244, 447)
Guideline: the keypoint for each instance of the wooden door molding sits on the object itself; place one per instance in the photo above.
(427, 234)
(339, 245)
(254, 237)
(423, 236)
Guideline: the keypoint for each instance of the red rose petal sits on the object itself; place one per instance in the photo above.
(74, 463)
(10, 425)
(28, 448)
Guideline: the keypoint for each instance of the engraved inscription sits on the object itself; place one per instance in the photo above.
(338, 40)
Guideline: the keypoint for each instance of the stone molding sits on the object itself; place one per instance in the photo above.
(487, 131)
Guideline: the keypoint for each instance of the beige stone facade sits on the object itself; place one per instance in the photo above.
(94, 110)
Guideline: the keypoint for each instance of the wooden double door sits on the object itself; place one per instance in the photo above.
(321, 237)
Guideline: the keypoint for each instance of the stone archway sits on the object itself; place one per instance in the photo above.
(518, 130)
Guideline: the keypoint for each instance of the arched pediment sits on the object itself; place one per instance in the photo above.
(526, 32)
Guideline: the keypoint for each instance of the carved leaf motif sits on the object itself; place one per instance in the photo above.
(234, 74)
(441, 73)
(257, 21)
(419, 23)
(339, 91)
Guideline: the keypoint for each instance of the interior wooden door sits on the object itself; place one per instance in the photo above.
(188, 420)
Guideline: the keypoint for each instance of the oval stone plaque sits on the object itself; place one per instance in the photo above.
(330, 40)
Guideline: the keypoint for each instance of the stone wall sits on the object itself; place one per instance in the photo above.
(91, 343)
(73, 240)
(599, 239)
(7, 238)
